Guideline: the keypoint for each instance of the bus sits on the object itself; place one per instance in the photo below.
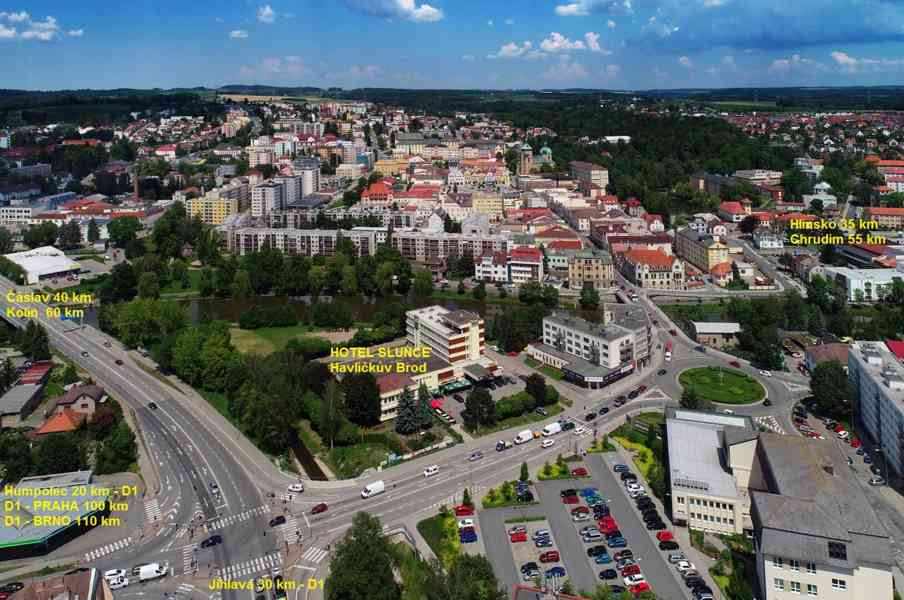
(668, 351)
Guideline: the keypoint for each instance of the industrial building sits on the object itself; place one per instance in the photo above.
(42, 263)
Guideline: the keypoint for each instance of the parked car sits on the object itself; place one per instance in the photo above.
(640, 588)
(463, 511)
(630, 570)
(594, 551)
(634, 579)
(555, 572)
(579, 472)
(623, 554)
(619, 542)
(664, 536)
(549, 556)
(608, 574)
(603, 559)
(668, 545)
(735, 364)
(656, 526)
(518, 537)
(517, 529)
(620, 468)
(677, 557)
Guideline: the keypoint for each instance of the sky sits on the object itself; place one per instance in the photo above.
(499, 44)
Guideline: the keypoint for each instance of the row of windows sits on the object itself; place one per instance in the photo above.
(794, 586)
(709, 518)
(779, 563)
(706, 503)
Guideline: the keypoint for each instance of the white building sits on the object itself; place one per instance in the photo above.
(877, 378)
(764, 239)
(292, 188)
(45, 262)
(454, 336)
(309, 170)
(865, 285)
(266, 198)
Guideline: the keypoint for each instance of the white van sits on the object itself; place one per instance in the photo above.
(524, 436)
(151, 571)
(431, 470)
(552, 429)
(372, 489)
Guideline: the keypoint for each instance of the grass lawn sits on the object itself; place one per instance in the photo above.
(218, 401)
(501, 496)
(650, 418)
(174, 288)
(546, 370)
(643, 456)
(603, 444)
(267, 340)
(528, 419)
(53, 389)
(441, 534)
(726, 386)
(524, 519)
(555, 472)
(351, 461)
(415, 573)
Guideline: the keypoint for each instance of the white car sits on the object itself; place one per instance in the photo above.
(431, 470)
(117, 584)
(634, 487)
(547, 443)
(579, 431)
(465, 523)
(634, 579)
(296, 487)
(114, 574)
(766, 373)
(684, 565)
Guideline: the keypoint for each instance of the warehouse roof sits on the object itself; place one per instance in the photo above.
(45, 260)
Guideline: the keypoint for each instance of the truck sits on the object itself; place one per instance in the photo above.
(503, 445)
(151, 571)
(372, 489)
(524, 436)
(552, 429)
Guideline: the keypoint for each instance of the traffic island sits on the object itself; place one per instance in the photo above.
(722, 386)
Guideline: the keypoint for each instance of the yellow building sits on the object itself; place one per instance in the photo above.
(702, 251)
(391, 166)
(212, 208)
(488, 203)
(594, 266)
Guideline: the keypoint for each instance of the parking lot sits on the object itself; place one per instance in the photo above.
(453, 407)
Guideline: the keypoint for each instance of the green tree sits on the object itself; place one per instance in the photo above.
(691, 400)
(749, 224)
(407, 421)
(148, 285)
(362, 399)
(206, 282)
(59, 453)
(535, 385)
(362, 564)
(524, 475)
(123, 230)
(830, 387)
(44, 234)
(461, 288)
(69, 236)
(6, 241)
(93, 231)
(466, 498)
(33, 341)
(241, 284)
(119, 451)
(480, 291)
(590, 298)
(424, 412)
(423, 283)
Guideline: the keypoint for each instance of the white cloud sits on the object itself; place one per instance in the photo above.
(7, 33)
(556, 42)
(728, 60)
(565, 70)
(510, 21)
(75, 32)
(611, 72)
(661, 29)
(512, 50)
(490, 23)
(266, 14)
(593, 43)
(686, 62)
(44, 31)
(238, 34)
(406, 10)
(714, 3)
(582, 8)
(795, 62)
(610, 24)
(286, 65)
(468, 57)
(15, 17)
(850, 64)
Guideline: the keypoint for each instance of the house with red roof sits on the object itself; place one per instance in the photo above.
(654, 223)
(377, 193)
(64, 421)
(556, 233)
(652, 269)
(722, 274)
(886, 217)
(633, 207)
(492, 268)
(565, 245)
(733, 212)
(167, 152)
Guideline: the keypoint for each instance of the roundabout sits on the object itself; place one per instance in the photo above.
(722, 385)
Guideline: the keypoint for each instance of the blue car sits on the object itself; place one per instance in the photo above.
(867, 459)
(468, 538)
(620, 468)
(617, 542)
(584, 493)
(556, 572)
(603, 559)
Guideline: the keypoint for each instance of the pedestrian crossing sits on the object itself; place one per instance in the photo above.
(185, 589)
(152, 510)
(770, 423)
(314, 555)
(188, 559)
(221, 522)
(455, 499)
(111, 547)
(251, 566)
(289, 528)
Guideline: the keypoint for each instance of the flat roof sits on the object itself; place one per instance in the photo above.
(695, 449)
(716, 328)
(12, 402)
(45, 260)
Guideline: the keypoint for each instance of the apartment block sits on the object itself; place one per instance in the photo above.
(589, 172)
(212, 208)
(865, 285)
(453, 335)
(594, 266)
(307, 242)
(266, 198)
(877, 378)
(425, 246)
(702, 251)
(308, 169)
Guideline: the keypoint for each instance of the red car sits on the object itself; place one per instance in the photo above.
(579, 472)
(856, 443)
(630, 570)
(580, 510)
(673, 332)
(640, 588)
(569, 500)
(513, 354)
(518, 537)
(463, 511)
(664, 536)
(838, 429)
(549, 556)
(735, 364)
(607, 525)
(319, 508)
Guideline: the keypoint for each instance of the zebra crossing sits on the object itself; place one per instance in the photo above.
(152, 510)
(314, 555)
(221, 522)
(188, 559)
(454, 499)
(251, 566)
(770, 423)
(111, 547)
(186, 588)
(290, 527)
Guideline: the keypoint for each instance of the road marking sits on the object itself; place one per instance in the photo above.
(314, 555)
(152, 510)
(770, 423)
(251, 566)
(188, 559)
(107, 549)
(232, 519)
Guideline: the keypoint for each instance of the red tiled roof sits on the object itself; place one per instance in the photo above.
(732, 208)
(526, 253)
(36, 372)
(566, 245)
(653, 258)
(64, 421)
(651, 218)
(393, 382)
(721, 269)
(886, 211)
(896, 347)
(557, 231)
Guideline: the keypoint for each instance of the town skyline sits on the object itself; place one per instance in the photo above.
(592, 44)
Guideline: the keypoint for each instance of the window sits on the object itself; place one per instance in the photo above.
(779, 584)
(839, 584)
(777, 562)
(794, 565)
(811, 566)
(837, 550)
(811, 590)
(680, 499)
(795, 587)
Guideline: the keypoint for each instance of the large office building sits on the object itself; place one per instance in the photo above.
(865, 285)
(593, 355)
(589, 172)
(877, 378)
(453, 335)
(307, 242)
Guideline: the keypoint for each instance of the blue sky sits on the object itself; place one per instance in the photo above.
(617, 44)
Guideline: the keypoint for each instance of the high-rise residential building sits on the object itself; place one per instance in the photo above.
(258, 157)
(453, 335)
(292, 188)
(266, 198)
(589, 172)
(211, 208)
(308, 168)
(349, 153)
(877, 378)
